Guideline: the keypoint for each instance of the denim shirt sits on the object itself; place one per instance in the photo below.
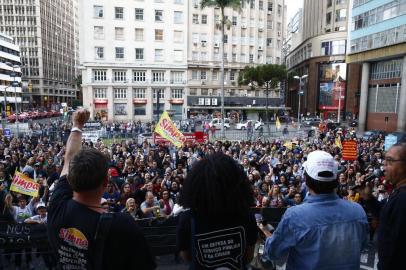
(325, 232)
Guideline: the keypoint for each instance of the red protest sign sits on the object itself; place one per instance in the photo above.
(350, 150)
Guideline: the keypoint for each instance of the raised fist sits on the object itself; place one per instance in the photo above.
(80, 117)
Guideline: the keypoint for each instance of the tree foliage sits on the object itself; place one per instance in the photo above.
(260, 75)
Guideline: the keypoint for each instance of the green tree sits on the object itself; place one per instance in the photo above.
(222, 4)
(269, 75)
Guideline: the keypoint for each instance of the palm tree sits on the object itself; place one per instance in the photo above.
(222, 4)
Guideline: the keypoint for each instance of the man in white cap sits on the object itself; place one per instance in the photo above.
(325, 232)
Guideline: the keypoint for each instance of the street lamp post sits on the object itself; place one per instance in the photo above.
(339, 102)
(300, 94)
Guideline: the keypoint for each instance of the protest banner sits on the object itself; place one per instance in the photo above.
(24, 185)
(167, 129)
(389, 141)
(350, 150)
(196, 137)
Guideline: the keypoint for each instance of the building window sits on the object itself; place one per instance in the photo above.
(269, 42)
(333, 47)
(341, 2)
(139, 92)
(203, 75)
(119, 33)
(232, 75)
(329, 3)
(119, 13)
(99, 52)
(177, 76)
(158, 76)
(159, 17)
(140, 109)
(252, 4)
(203, 56)
(328, 18)
(139, 75)
(178, 36)
(119, 53)
(233, 57)
(178, 55)
(261, 5)
(177, 93)
(100, 75)
(120, 93)
(234, 21)
(195, 19)
(341, 15)
(100, 92)
(139, 34)
(159, 34)
(251, 58)
(270, 6)
(161, 92)
(204, 19)
(195, 74)
(98, 11)
(120, 75)
(193, 91)
(204, 92)
(386, 69)
(139, 54)
(159, 55)
(279, 10)
(178, 17)
(98, 32)
(139, 14)
(120, 108)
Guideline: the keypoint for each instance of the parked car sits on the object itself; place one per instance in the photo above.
(311, 122)
(244, 125)
(217, 123)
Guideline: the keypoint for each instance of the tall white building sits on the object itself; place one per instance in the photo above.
(133, 52)
(10, 96)
(137, 50)
(253, 35)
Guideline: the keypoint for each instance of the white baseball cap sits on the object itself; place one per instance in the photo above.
(318, 162)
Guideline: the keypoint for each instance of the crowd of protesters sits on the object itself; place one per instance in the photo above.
(145, 180)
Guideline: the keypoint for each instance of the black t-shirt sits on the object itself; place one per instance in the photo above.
(217, 244)
(71, 231)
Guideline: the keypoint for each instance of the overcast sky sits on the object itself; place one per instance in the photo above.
(293, 6)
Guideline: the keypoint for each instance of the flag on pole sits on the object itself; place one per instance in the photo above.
(278, 123)
(167, 129)
(338, 142)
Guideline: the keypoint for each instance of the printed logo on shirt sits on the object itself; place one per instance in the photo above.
(74, 237)
(221, 249)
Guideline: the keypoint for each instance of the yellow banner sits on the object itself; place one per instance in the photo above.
(338, 142)
(168, 130)
(277, 123)
(24, 185)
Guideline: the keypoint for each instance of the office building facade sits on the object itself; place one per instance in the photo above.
(45, 30)
(377, 53)
(10, 96)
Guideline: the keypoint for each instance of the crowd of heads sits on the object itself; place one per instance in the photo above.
(145, 180)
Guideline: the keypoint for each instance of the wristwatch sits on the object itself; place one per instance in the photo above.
(76, 129)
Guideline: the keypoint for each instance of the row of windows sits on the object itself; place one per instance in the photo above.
(202, 75)
(119, 34)
(121, 93)
(386, 69)
(139, 54)
(333, 47)
(9, 51)
(380, 39)
(379, 14)
(178, 18)
(138, 76)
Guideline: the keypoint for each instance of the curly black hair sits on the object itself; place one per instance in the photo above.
(217, 188)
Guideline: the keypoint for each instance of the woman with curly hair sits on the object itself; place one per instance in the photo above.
(218, 231)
